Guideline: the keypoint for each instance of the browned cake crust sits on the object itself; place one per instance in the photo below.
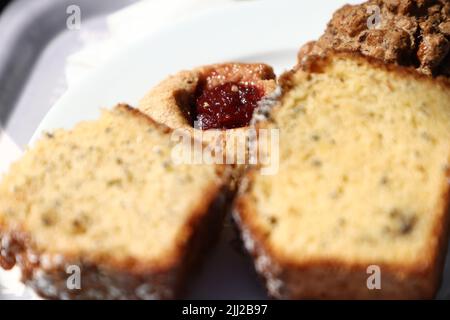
(106, 278)
(316, 64)
(332, 278)
(406, 32)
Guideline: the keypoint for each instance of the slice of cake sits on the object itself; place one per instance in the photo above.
(359, 205)
(219, 96)
(105, 206)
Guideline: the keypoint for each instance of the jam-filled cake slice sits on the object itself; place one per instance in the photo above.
(216, 102)
(221, 96)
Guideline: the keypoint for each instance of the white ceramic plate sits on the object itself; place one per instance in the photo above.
(254, 31)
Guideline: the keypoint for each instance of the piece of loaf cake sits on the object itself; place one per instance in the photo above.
(362, 186)
(214, 102)
(107, 199)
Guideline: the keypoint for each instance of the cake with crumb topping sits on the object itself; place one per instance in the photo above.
(413, 33)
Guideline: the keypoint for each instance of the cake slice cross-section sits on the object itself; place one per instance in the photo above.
(359, 206)
(105, 202)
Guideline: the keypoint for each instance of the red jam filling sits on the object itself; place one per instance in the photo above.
(227, 106)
